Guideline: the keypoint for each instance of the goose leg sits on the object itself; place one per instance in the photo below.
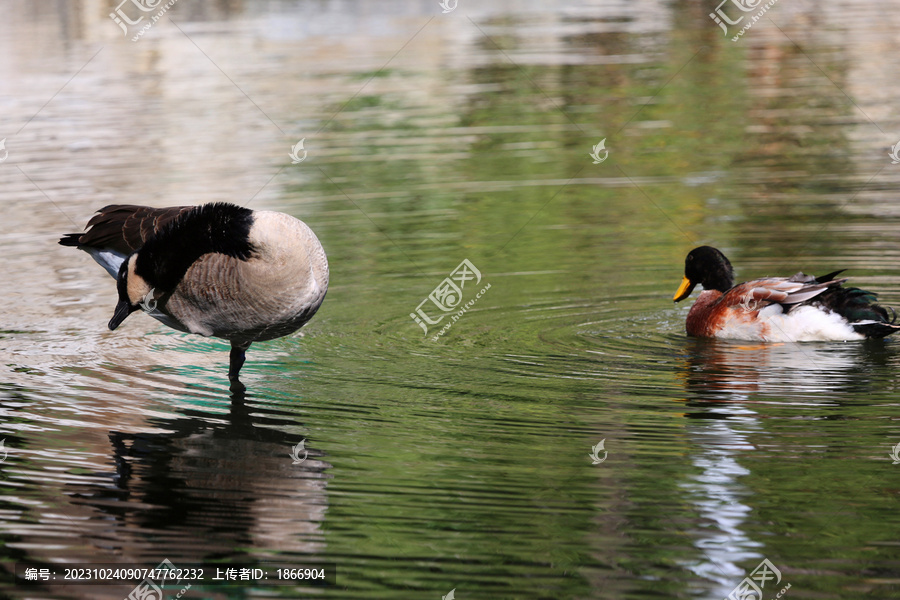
(236, 361)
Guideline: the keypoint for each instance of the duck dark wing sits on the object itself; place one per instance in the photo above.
(788, 292)
(123, 228)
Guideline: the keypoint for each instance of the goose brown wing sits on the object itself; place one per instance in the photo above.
(123, 228)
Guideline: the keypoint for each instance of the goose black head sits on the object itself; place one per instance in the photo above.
(707, 266)
(134, 292)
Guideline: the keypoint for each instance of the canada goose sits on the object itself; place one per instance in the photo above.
(800, 308)
(216, 270)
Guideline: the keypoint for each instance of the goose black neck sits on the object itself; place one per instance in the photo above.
(219, 227)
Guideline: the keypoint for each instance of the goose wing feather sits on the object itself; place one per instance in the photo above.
(123, 228)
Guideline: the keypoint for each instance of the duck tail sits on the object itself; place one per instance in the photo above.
(859, 308)
(878, 329)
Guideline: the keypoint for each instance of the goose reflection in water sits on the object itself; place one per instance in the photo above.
(202, 481)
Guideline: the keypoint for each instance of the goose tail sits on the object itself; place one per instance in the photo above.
(70, 239)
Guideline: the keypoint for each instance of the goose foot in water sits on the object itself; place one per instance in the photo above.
(236, 361)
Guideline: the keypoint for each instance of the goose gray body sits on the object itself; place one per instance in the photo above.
(270, 295)
(214, 270)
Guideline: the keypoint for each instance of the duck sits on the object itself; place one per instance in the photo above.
(799, 308)
(216, 270)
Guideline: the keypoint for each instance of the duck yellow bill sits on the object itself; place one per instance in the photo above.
(684, 290)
